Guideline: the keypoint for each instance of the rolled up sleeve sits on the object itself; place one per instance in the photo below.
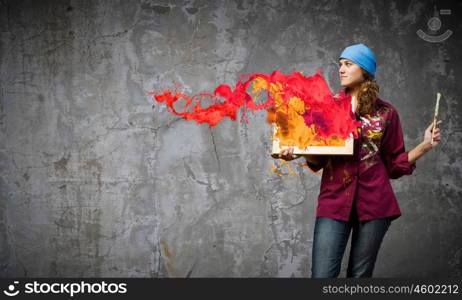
(393, 150)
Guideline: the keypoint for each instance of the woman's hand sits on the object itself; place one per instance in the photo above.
(436, 137)
(287, 154)
(426, 144)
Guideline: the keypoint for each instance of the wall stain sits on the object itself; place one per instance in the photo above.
(62, 163)
(166, 253)
(99, 168)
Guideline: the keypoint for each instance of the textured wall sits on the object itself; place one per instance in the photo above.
(96, 181)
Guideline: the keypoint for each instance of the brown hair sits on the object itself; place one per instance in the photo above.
(368, 92)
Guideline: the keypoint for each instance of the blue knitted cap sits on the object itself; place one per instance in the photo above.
(361, 55)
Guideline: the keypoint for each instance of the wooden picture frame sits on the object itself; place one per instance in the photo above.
(347, 149)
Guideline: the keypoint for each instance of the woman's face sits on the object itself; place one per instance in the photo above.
(350, 73)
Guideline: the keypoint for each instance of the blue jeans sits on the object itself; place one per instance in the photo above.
(330, 240)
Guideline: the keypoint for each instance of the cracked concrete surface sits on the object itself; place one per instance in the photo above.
(98, 180)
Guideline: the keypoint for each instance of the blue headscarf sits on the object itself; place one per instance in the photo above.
(361, 55)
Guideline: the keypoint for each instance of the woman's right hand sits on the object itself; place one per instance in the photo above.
(287, 154)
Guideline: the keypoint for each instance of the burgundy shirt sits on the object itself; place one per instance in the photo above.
(362, 181)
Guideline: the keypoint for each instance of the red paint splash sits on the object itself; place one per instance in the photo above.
(288, 97)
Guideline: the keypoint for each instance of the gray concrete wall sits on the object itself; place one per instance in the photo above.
(96, 181)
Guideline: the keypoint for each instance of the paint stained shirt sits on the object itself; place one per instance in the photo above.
(362, 181)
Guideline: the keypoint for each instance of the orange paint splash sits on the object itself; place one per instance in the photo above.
(346, 177)
(278, 169)
(303, 109)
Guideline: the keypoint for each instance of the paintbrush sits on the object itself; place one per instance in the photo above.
(438, 96)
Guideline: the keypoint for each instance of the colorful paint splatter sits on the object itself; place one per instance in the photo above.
(372, 127)
(304, 110)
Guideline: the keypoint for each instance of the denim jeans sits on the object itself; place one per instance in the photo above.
(330, 240)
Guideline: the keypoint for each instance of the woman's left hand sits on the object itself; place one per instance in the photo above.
(436, 136)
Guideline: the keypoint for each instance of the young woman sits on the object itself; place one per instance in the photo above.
(355, 193)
